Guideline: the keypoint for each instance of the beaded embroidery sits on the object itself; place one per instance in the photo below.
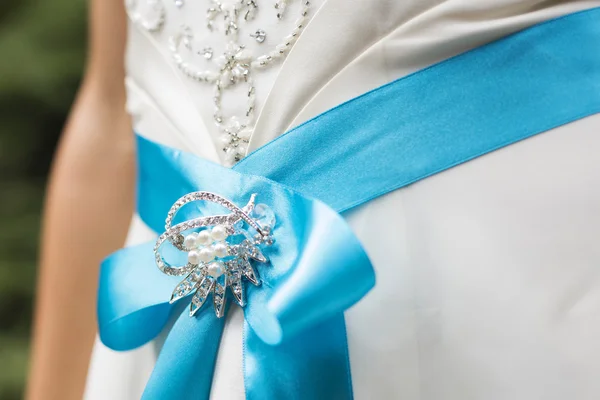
(232, 68)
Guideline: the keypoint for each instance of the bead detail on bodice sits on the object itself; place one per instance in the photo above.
(150, 15)
(233, 68)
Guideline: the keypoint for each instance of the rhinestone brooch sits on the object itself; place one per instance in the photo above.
(221, 250)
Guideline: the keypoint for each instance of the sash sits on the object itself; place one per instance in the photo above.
(294, 334)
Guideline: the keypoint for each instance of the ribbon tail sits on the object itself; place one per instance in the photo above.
(133, 296)
(313, 365)
(185, 366)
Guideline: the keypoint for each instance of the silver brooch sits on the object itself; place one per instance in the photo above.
(220, 250)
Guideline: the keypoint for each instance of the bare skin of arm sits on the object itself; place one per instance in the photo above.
(88, 208)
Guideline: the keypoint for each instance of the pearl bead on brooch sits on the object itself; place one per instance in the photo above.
(215, 269)
(204, 238)
(190, 240)
(219, 233)
(206, 254)
(194, 257)
(220, 250)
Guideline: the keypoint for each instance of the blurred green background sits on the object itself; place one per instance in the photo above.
(41, 60)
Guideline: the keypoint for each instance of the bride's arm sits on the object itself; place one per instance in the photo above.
(87, 211)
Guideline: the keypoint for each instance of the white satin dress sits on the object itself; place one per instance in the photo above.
(488, 274)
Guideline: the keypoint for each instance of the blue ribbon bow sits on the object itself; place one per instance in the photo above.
(294, 335)
(318, 269)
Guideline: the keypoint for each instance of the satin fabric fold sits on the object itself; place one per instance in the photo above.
(294, 338)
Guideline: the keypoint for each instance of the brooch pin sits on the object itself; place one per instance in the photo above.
(220, 250)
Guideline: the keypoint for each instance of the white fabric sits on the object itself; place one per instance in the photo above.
(488, 278)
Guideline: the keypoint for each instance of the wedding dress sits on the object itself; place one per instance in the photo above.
(487, 274)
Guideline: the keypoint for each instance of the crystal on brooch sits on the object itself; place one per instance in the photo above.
(264, 216)
(220, 250)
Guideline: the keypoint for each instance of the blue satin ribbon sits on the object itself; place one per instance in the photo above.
(294, 335)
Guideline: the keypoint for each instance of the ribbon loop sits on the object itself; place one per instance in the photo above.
(329, 272)
(133, 299)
